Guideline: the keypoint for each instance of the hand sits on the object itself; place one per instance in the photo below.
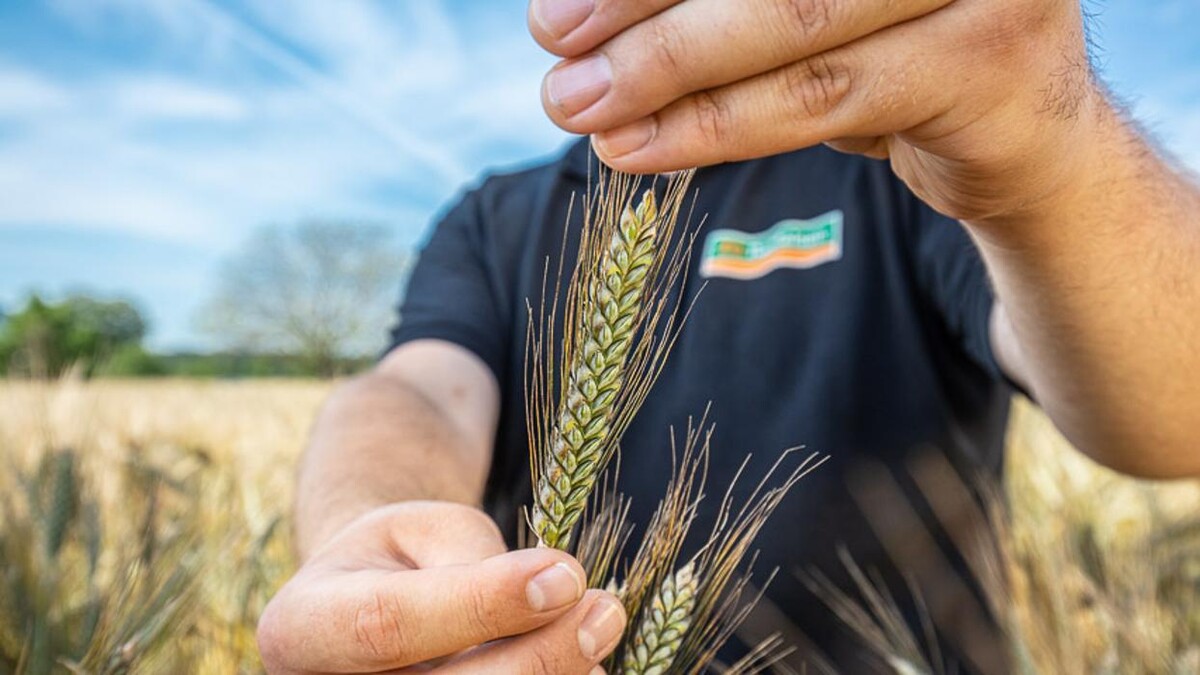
(983, 106)
(419, 585)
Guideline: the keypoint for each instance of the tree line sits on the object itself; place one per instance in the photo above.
(311, 299)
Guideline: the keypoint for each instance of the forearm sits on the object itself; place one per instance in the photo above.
(379, 440)
(1101, 287)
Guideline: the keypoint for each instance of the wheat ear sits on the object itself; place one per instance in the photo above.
(597, 372)
(658, 638)
(621, 315)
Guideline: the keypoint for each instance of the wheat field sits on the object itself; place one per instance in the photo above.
(157, 551)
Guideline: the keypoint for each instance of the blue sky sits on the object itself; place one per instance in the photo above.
(140, 140)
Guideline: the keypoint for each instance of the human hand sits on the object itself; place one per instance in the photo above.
(984, 107)
(420, 586)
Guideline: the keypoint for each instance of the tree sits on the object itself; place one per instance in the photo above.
(324, 290)
(44, 339)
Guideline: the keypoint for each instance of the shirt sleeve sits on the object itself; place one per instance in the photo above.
(953, 279)
(450, 295)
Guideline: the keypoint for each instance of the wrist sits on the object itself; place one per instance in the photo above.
(1060, 177)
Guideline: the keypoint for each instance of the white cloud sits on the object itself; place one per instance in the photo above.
(342, 94)
(171, 98)
(23, 93)
(100, 166)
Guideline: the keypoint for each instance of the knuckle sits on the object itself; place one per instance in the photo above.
(811, 18)
(478, 611)
(1008, 29)
(483, 522)
(817, 85)
(541, 662)
(666, 47)
(713, 118)
(378, 627)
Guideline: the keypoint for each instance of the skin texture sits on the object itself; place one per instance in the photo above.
(986, 109)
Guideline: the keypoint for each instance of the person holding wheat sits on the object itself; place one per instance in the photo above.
(911, 209)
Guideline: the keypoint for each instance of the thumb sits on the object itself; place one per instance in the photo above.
(372, 620)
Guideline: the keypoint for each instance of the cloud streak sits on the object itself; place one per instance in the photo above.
(345, 98)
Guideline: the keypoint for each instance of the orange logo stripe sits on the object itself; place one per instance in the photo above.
(797, 258)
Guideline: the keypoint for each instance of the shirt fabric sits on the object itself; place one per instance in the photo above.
(870, 355)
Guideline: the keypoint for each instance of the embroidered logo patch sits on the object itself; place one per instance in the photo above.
(792, 243)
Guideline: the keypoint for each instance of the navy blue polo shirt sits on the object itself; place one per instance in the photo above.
(838, 312)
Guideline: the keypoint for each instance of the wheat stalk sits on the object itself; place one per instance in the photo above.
(657, 640)
(620, 321)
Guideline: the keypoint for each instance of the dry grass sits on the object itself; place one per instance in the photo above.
(1105, 570)
(1108, 566)
(190, 483)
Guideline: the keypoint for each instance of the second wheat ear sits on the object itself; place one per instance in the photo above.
(620, 319)
(657, 640)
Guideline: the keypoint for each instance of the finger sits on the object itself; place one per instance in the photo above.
(572, 645)
(414, 534)
(373, 620)
(572, 27)
(873, 87)
(701, 44)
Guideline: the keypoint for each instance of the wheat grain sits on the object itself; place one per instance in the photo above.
(658, 638)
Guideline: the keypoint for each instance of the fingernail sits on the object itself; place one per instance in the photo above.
(554, 587)
(559, 17)
(627, 139)
(602, 625)
(578, 85)
(598, 670)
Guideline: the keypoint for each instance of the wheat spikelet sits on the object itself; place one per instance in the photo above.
(62, 507)
(657, 640)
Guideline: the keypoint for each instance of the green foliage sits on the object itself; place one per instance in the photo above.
(249, 365)
(44, 339)
(133, 360)
(104, 339)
